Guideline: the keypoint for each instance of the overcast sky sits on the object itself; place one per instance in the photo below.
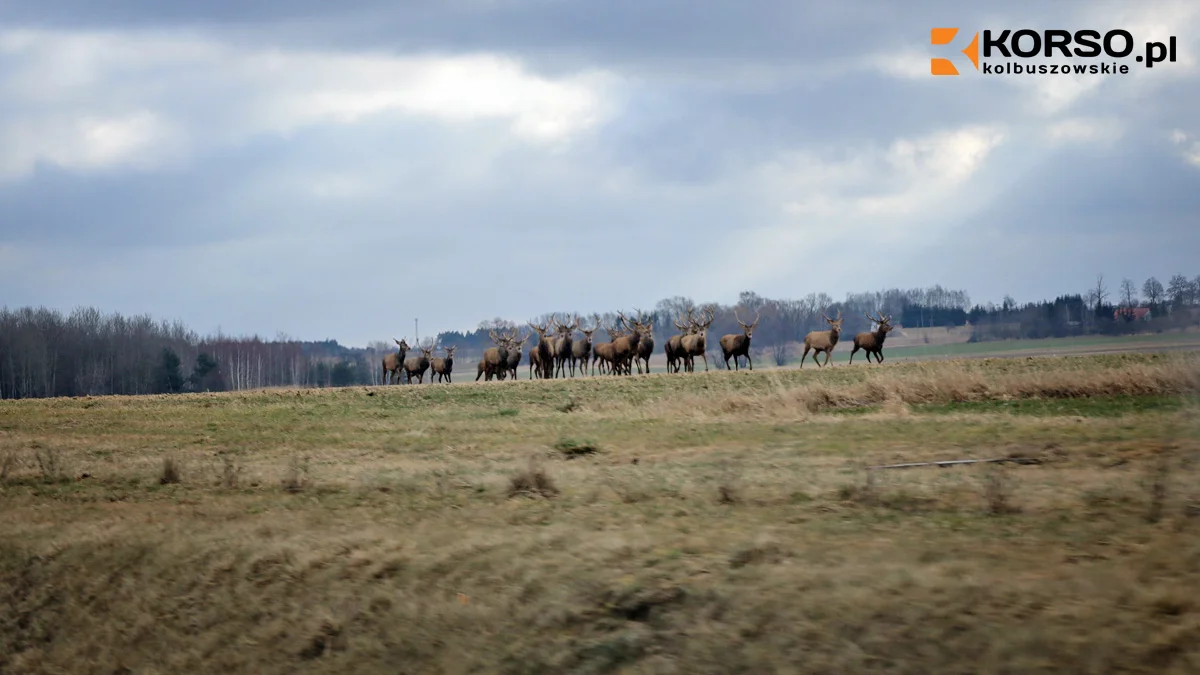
(333, 170)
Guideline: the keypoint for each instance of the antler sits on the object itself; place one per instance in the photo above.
(744, 324)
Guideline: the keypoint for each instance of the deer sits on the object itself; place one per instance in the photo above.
(544, 350)
(441, 368)
(417, 365)
(823, 341)
(604, 356)
(514, 353)
(495, 359)
(564, 356)
(582, 349)
(625, 346)
(738, 345)
(674, 345)
(392, 362)
(696, 343)
(645, 346)
(872, 341)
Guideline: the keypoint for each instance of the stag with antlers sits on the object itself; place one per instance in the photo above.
(823, 341)
(696, 343)
(872, 341)
(603, 353)
(495, 359)
(645, 345)
(625, 345)
(514, 352)
(393, 363)
(440, 369)
(564, 355)
(544, 351)
(417, 365)
(734, 345)
(674, 345)
(582, 349)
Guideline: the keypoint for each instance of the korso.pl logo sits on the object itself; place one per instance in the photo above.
(1013, 45)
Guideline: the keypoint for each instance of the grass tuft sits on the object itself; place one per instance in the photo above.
(532, 482)
(171, 471)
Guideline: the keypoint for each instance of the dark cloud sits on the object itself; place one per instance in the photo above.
(264, 214)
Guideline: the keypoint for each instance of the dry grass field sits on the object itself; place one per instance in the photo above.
(702, 523)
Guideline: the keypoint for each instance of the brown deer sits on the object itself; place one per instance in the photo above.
(417, 365)
(696, 343)
(604, 356)
(625, 346)
(823, 341)
(674, 346)
(545, 352)
(738, 345)
(535, 364)
(582, 349)
(393, 362)
(645, 346)
(441, 368)
(564, 356)
(495, 359)
(872, 341)
(514, 353)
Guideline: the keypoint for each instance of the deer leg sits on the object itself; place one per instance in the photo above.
(803, 356)
(749, 363)
(853, 351)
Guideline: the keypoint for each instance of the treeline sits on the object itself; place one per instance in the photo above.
(45, 353)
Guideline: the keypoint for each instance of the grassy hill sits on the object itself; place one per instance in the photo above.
(717, 523)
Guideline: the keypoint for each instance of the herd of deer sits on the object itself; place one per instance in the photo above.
(631, 343)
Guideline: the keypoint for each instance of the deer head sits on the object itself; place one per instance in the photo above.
(835, 325)
(449, 351)
(885, 322)
(402, 343)
(747, 330)
(701, 325)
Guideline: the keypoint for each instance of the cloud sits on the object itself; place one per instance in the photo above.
(74, 103)
(335, 170)
(1189, 147)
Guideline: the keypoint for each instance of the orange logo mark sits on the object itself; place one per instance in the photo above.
(943, 36)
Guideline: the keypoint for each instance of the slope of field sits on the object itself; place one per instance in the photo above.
(720, 523)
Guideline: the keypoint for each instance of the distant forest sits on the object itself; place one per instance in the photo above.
(45, 353)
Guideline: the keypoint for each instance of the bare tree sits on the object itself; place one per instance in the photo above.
(1178, 290)
(1154, 291)
(1128, 293)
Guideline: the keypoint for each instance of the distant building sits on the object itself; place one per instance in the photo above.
(1132, 313)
